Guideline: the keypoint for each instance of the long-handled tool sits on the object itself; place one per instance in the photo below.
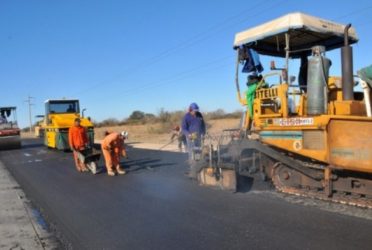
(167, 144)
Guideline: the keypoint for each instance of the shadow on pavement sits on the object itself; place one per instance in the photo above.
(137, 165)
(245, 184)
(33, 145)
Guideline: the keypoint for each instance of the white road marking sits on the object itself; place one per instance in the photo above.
(41, 152)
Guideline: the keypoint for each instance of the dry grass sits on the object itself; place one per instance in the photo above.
(137, 133)
(216, 126)
(153, 133)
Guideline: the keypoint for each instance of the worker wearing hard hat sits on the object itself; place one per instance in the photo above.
(112, 147)
(193, 127)
(78, 140)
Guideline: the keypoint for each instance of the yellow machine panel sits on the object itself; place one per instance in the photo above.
(350, 144)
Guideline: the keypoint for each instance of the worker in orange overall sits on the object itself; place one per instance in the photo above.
(78, 140)
(112, 147)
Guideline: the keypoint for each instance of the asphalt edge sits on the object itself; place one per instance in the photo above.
(42, 237)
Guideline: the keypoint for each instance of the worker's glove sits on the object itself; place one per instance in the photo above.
(193, 136)
(124, 154)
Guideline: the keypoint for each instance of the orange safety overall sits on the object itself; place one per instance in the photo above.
(77, 137)
(112, 146)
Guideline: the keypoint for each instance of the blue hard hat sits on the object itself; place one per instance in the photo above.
(194, 107)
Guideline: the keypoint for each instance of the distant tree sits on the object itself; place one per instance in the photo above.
(217, 114)
(149, 116)
(137, 115)
(164, 116)
(25, 129)
(108, 122)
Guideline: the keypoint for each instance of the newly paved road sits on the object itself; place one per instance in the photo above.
(156, 207)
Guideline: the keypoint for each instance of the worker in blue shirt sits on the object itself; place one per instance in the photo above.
(193, 127)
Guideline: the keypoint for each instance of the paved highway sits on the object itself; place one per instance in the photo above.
(155, 206)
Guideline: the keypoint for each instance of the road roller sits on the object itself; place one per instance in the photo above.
(304, 129)
(9, 131)
(60, 115)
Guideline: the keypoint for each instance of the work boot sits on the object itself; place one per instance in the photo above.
(120, 170)
(110, 173)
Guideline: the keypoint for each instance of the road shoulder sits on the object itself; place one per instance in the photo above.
(21, 226)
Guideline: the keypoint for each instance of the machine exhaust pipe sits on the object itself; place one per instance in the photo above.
(347, 67)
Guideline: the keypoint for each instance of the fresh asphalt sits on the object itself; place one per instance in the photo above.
(155, 206)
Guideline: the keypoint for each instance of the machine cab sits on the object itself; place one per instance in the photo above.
(8, 118)
(56, 108)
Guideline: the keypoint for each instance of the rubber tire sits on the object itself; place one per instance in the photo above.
(92, 166)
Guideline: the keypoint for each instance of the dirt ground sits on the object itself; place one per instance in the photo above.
(148, 133)
(27, 135)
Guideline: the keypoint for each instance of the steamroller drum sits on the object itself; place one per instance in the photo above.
(10, 142)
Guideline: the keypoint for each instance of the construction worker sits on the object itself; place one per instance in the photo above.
(70, 109)
(181, 138)
(193, 127)
(78, 140)
(112, 147)
(252, 84)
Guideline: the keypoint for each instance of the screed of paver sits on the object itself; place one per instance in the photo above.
(18, 229)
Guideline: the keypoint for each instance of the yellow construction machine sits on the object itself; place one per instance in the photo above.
(59, 117)
(39, 128)
(313, 138)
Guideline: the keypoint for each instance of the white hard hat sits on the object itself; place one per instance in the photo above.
(124, 134)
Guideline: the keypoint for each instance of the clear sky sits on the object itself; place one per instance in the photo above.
(119, 56)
